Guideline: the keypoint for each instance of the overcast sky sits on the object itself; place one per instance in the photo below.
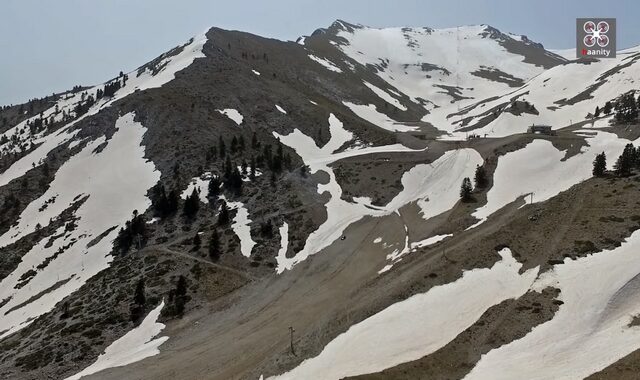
(51, 45)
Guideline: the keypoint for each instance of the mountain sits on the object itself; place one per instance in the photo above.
(243, 207)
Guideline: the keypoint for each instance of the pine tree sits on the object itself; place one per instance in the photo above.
(136, 309)
(214, 246)
(222, 149)
(180, 298)
(214, 187)
(241, 143)
(600, 165)
(626, 109)
(252, 172)
(139, 297)
(465, 190)
(192, 204)
(607, 108)
(197, 241)
(480, 177)
(254, 142)
(223, 216)
(626, 161)
(234, 145)
(597, 112)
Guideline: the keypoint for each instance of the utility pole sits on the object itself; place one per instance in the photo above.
(291, 330)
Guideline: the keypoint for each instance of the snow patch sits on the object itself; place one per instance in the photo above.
(232, 114)
(326, 63)
(281, 109)
(134, 346)
(417, 326)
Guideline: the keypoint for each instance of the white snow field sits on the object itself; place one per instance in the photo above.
(452, 81)
(98, 179)
(590, 330)
(539, 168)
(371, 114)
(326, 63)
(284, 244)
(420, 184)
(417, 326)
(134, 346)
(406, 58)
(232, 114)
(382, 94)
(241, 226)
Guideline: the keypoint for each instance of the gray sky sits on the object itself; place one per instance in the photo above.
(52, 45)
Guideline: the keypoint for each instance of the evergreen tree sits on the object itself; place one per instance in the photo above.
(180, 298)
(600, 165)
(597, 112)
(626, 109)
(223, 216)
(626, 161)
(197, 241)
(134, 233)
(192, 204)
(465, 190)
(139, 296)
(172, 202)
(241, 143)
(607, 108)
(222, 149)
(136, 309)
(234, 145)
(252, 172)
(480, 177)
(214, 246)
(254, 141)
(214, 187)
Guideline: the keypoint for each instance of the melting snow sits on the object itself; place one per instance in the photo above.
(422, 183)
(201, 185)
(538, 168)
(134, 346)
(417, 326)
(281, 109)
(284, 244)
(232, 114)
(326, 63)
(382, 94)
(590, 330)
(370, 113)
(120, 168)
(255, 72)
(241, 226)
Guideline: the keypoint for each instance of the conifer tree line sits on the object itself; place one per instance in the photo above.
(626, 108)
(624, 166)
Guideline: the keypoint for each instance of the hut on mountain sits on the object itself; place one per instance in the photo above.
(541, 129)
